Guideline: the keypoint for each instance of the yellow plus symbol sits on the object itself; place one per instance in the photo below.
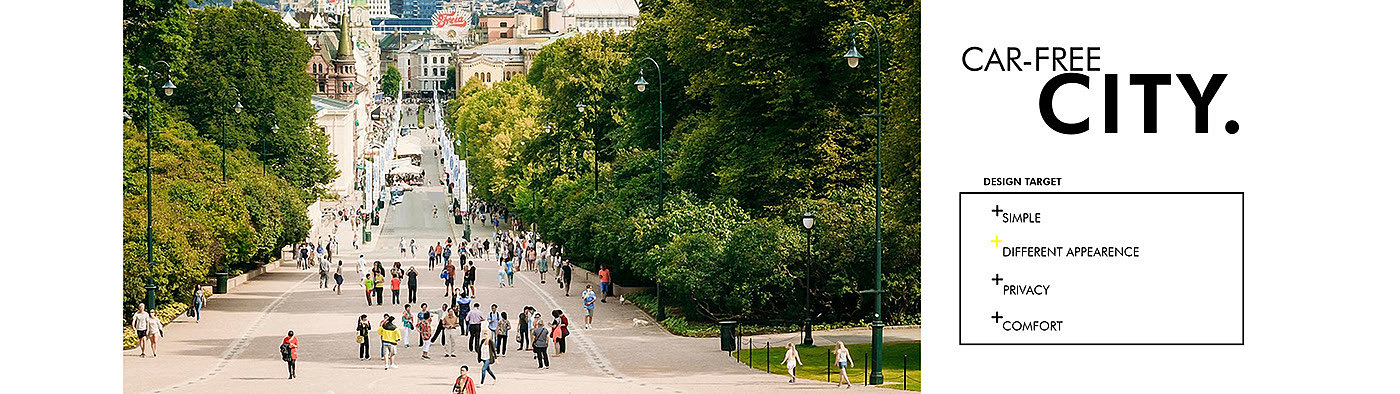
(996, 241)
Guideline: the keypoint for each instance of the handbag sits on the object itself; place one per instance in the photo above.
(359, 339)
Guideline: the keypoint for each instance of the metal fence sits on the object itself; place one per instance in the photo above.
(864, 363)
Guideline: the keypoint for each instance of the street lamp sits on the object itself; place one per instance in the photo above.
(641, 85)
(594, 144)
(853, 57)
(169, 89)
(268, 141)
(807, 222)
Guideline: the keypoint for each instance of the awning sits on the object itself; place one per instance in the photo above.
(406, 148)
(408, 169)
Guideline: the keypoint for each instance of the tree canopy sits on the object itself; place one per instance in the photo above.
(762, 122)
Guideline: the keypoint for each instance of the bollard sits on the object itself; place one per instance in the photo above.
(864, 368)
(828, 367)
(767, 357)
(904, 373)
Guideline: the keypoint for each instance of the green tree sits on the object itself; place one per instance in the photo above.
(450, 83)
(246, 53)
(390, 83)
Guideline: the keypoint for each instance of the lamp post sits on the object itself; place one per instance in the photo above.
(877, 326)
(223, 150)
(594, 144)
(807, 222)
(641, 85)
(271, 135)
(169, 89)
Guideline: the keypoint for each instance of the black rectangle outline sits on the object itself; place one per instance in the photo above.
(1242, 280)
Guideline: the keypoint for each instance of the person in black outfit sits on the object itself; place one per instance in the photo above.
(363, 330)
(566, 273)
(470, 281)
(412, 285)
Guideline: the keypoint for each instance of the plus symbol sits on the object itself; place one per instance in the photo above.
(998, 210)
(997, 279)
(997, 317)
(996, 242)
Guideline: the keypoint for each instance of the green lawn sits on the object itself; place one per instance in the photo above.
(815, 365)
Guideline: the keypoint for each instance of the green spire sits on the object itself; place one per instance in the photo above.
(344, 52)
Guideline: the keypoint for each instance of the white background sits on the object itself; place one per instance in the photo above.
(1184, 286)
(1312, 84)
(1313, 87)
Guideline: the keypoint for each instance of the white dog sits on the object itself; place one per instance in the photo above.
(640, 322)
(623, 300)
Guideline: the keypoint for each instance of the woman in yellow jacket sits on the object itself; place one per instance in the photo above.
(389, 341)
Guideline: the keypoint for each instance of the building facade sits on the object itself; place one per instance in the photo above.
(339, 121)
(499, 61)
(586, 16)
(423, 65)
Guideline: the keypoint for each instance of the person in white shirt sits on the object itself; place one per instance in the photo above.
(360, 267)
(154, 329)
(140, 321)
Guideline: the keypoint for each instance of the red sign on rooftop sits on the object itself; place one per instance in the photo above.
(445, 19)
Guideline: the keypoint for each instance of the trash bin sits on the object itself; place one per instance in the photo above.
(727, 340)
(221, 283)
(457, 218)
(366, 239)
(376, 219)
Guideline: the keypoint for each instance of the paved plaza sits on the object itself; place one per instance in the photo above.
(234, 348)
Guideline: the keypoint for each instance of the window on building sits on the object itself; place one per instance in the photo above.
(503, 34)
(503, 24)
(322, 87)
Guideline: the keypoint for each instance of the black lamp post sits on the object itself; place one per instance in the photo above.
(169, 89)
(853, 57)
(594, 144)
(272, 134)
(641, 85)
(807, 222)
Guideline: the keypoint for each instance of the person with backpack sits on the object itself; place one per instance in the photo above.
(448, 272)
(502, 331)
(566, 274)
(470, 280)
(289, 353)
(561, 331)
(389, 341)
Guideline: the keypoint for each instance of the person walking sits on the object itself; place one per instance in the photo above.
(502, 331)
(141, 322)
(362, 336)
(500, 276)
(368, 282)
(339, 278)
(561, 331)
(407, 324)
(412, 284)
(464, 307)
(490, 358)
(388, 341)
(412, 248)
(289, 353)
(464, 384)
(524, 328)
(588, 300)
(425, 330)
(604, 283)
(566, 274)
(792, 360)
(470, 281)
(474, 319)
(379, 288)
(432, 259)
(198, 302)
(325, 271)
(843, 360)
(403, 248)
(448, 323)
(154, 330)
(493, 322)
(449, 272)
(539, 342)
(394, 287)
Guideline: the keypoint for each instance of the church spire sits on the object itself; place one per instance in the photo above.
(344, 52)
